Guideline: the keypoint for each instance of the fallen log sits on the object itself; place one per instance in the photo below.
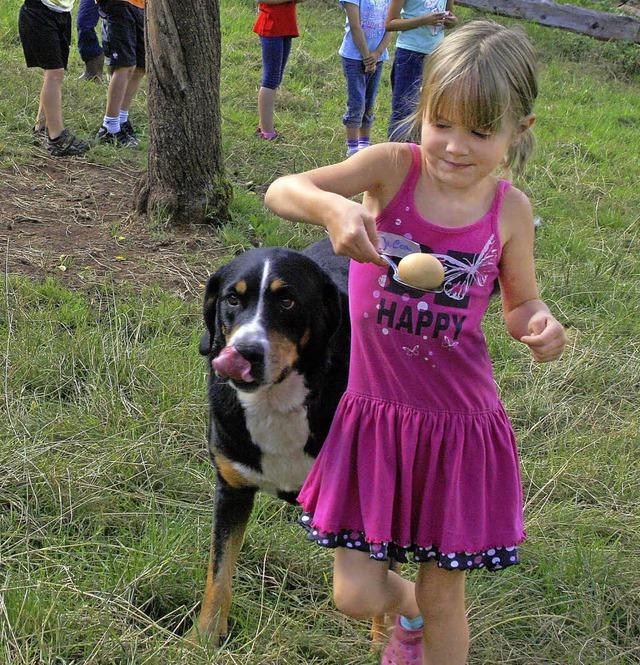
(600, 25)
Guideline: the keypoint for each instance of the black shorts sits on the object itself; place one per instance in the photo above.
(122, 33)
(45, 35)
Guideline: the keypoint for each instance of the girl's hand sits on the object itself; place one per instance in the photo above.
(546, 338)
(375, 56)
(450, 19)
(369, 60)
(352, 230)
(372, 64)
(435, 18)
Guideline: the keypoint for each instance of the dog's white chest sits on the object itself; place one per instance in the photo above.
(278, 423)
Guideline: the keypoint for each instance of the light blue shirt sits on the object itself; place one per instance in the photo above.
(372, 17)
(424, 38)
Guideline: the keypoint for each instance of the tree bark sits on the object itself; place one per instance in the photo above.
(185, 181)
(600, 25)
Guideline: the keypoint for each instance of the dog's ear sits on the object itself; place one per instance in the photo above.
(335, 310)
(330, 331)
(333, 303)
(210, 313)
(205, 344)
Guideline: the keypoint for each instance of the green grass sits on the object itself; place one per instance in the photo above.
(105, 488)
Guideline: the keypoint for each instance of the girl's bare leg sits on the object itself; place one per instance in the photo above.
(266, 105)
(441, 597)
(364, 588)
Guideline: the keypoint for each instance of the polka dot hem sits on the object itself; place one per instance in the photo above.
(496, 558)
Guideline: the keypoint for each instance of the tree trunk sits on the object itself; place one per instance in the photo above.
(185, 181)
(600, 25)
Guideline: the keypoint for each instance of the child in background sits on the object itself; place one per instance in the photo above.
(88, 45)
(363, 51)
(421, 457)
(45, 33)
(421, 24)
(124, 48)
(276, 25)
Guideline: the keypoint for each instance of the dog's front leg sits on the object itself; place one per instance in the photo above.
(231, 513)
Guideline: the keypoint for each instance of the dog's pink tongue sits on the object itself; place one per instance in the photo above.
(233, 365)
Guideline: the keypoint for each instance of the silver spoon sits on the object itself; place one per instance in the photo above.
(396, 245)
(394, 267)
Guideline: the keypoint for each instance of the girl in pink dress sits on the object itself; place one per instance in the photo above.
(421, 457)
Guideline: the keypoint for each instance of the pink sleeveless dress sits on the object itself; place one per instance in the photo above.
(421, 456)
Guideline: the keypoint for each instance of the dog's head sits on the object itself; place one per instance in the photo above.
(269, 312)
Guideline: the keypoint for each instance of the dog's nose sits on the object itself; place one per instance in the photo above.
(232, 364)
(252, 352)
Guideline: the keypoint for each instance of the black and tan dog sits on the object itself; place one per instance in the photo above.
(278, 343)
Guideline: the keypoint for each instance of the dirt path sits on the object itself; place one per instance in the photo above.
(75, 220)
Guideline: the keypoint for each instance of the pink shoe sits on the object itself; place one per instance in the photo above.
(269, 136)
(404, 648)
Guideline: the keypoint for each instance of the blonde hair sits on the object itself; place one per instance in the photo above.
(482, 75)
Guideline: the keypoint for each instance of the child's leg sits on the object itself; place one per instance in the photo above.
(352, 134)
(266, 105)
(132, 87)
(140, 60)
(364, 588)
(406, 79)
(51, 101)
(123, 43)
(86, 22)
(116, 128)
(352, 119)
(45, 36)
(284, 55)
(372, 82)
(120, 79)
(275, 51)
(41, 118)
(441, 597)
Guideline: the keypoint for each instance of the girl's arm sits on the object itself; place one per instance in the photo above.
(395, 23)
(353, 14)
(323, 197)
(528, 319)
(384, 42)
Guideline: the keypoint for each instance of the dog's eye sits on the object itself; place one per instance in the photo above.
(287, 303)
(232, 300)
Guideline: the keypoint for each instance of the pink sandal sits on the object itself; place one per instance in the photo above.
(404, 648)
(269, 136)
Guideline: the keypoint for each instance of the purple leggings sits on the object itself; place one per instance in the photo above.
(275, 53)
